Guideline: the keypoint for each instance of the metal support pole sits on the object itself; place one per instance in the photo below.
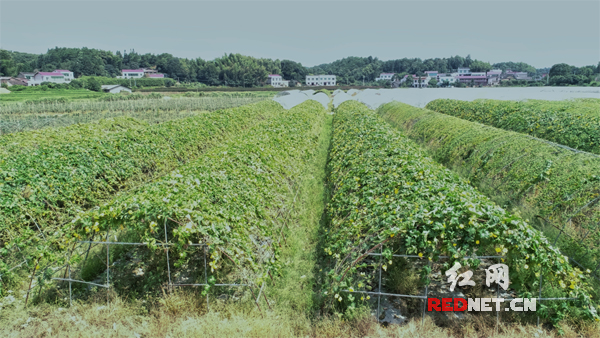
(379, 289)
(252, 290)
(88, 250)
(70, 292)
(107, 268)
(540, 296)
(259, 293)
(31, 281)
(167, 251)
(497, 312)
(425, 299)
(206, 278)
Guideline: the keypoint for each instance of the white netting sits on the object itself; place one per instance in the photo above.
(341, 97)
(419, 97)
(322, 98)
(292, 98)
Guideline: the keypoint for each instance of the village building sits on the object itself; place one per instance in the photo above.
(445, 78)
(432, 73)
(421, 81)
(320, 80)
(277, 81)
(41, 77)
(131, 74)
(470, 80)
(493, 76)
(522, 76)
(156, 76)
(463, 71)
(69, 76)
(115, 89)
(385, 76)
(26, 75)
(13, 81)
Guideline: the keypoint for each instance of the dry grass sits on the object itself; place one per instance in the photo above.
(182, 315)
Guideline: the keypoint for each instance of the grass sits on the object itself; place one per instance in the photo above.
(183, 314)
(37, 94)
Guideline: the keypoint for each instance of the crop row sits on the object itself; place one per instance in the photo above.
(553, 187)
(20, 117)
(232, 199)
(386, 192)
(574, 123)
(48, 176)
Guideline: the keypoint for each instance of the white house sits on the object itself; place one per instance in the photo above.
(478, 74)
(69, 76)
(276, 80)
(320, 80)
(464, 70)
(493, 76)
(432, 73)
(522, 76)
(26, 75)
(424, 81)
(385, 76)
(451, 79)
(115, 89)
(131, 74)
(41, 77)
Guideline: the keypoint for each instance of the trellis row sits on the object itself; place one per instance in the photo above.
(107, 285)
(426, 293)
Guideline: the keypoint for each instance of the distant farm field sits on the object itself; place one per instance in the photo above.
(49, 94)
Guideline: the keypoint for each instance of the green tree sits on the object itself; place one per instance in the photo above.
(433, 83)
(480, 66)
(7, 64)
(560, 69)
(93, 84)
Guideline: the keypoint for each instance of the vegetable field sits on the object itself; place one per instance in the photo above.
(573, 123)
(388, 195)
(555, 188)
(50, 175)
(17, 117)
(256, 197)
(231, 199)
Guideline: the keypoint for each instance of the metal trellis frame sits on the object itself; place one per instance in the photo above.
(425, 296)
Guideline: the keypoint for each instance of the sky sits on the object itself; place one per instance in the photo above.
(541, 33)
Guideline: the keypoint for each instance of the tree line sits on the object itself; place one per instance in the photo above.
(245, 71)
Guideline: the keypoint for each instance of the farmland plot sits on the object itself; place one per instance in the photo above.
(573, 123)
(15, 117)
(233, 199)
(557, 189)
(50, 175)
(230, 199)
(388, 195)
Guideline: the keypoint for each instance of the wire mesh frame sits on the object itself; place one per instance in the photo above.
(425, 297)
(170, 284)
